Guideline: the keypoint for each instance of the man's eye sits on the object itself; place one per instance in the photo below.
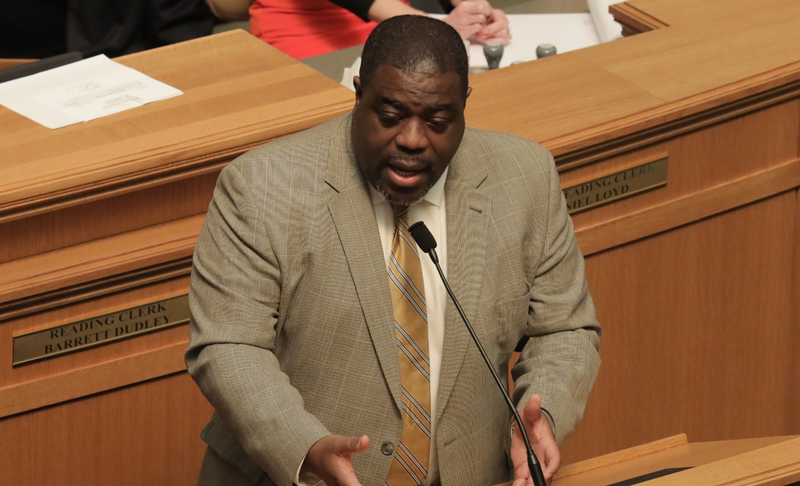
(437, 124)
(389, 118)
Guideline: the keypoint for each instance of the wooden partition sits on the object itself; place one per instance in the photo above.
(100, 217)
(695, 282)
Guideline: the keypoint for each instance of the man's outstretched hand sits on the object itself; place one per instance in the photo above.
(542, 440)
(330, 459)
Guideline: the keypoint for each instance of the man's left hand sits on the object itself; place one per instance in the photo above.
(542, 440)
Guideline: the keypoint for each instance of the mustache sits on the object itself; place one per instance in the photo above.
(415, 159)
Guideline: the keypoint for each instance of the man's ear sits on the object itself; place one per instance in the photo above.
(469, 92)
(357, 86)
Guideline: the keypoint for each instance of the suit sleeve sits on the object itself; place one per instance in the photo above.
(560, 360)
(234, 299)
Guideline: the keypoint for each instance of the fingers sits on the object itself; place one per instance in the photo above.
(474, 12)
(359, 444)
(330, 459)
(542, 440)
(531, 411)
(476, 7)
(548, 450)
(496, 29)
(464, 28)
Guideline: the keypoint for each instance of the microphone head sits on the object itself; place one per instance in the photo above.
(422, 235)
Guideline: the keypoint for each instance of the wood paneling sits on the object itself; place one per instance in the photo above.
(793, 383)
(146, 434)
(97, 369)
(695, 324)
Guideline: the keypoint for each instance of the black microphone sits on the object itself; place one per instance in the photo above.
(427, 243)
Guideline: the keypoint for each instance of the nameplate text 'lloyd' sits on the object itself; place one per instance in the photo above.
(616, 186)
(103, 329)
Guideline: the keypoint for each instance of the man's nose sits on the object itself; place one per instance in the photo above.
(412, 138)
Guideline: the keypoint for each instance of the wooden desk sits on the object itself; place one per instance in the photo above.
(696, 283)
(103, 216)
(767, 460)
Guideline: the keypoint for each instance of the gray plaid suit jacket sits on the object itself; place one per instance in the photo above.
(292, 334)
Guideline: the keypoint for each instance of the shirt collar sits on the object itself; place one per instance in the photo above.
(434, 196)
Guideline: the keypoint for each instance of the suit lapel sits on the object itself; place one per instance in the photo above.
(354, 218)
(468, 216)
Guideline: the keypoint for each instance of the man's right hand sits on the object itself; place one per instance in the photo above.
(330, 459)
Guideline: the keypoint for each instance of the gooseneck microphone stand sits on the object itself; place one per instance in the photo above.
(427, 243)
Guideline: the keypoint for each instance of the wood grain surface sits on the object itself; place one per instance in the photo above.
(793, 395)
(696, 322)
(622, 456)
(719, 457)
(146, 434)
(238, 92)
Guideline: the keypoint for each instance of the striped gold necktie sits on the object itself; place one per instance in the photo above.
(410, 465)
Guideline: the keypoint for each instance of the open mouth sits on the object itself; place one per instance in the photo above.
(405, 175)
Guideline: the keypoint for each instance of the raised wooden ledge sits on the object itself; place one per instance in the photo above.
(633, 20)
(254, 94)
(246, 139)
(672, 119)
(622, 456)
(776, 465)
(98, 267)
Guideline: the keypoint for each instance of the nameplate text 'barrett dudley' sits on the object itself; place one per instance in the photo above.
(616, 186)
(103, 329)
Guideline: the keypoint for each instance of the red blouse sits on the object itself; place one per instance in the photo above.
(305, 28)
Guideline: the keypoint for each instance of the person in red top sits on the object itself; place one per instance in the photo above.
(305, 28)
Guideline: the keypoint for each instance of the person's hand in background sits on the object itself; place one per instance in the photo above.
(496, 28)
(470, 17)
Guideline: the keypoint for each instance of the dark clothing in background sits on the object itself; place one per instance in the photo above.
(35, 29)
(119, 27)
(32, 29)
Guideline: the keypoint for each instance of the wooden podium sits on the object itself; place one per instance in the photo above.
(773, 461)
(696, 276)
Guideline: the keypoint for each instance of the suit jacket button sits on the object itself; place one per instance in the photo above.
(387, 448)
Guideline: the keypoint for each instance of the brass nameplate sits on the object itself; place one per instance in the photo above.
(103, 329)
(616, 186)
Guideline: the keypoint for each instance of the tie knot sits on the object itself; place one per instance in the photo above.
(400, 214)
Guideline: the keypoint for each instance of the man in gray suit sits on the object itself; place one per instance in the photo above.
(294, 339)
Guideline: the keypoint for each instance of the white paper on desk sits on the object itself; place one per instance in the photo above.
(567, 32)
(81, 91)
(607, 28)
